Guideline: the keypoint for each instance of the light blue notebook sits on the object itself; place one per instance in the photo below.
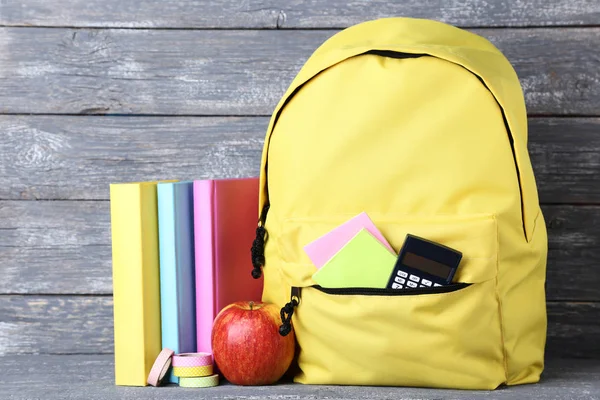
(177, 269)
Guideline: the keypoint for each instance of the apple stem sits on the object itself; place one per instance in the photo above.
(251, 305)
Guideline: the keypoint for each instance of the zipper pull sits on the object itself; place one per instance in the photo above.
(287, 311)
(258, 246)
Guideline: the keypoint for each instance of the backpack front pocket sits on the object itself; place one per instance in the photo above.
(449, 339)
(449, 336)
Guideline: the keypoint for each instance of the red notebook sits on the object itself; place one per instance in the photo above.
(225, 220)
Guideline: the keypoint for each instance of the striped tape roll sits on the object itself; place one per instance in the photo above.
(187, 372)
(192, 359)
(201, 382)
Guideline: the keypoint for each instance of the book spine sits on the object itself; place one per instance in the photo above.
(235, 221)
(136, 288)
(203, 236)
(186, 273)
(168, 270)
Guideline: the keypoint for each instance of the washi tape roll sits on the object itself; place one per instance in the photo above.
(187, 372)
(192, 360)
(160, 367)
(202, 382)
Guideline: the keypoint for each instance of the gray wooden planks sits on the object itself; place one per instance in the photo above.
(91, 377)
(62, 247)
(55, 247)
(291, 14)
(56, 325)
(75, 157)
(66, 157)
(244, 72)
(573, 327)
(84, 324)
(565, 154)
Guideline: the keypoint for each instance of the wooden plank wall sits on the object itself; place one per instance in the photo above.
(99, 91)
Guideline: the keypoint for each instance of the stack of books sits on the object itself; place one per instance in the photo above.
(181, 253)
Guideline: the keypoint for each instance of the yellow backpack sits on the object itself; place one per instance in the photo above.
(423, 126)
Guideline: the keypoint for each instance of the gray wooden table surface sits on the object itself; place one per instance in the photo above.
(89, 377)
(101, 91)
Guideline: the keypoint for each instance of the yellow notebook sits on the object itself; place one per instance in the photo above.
(136, 290)
(362, 262)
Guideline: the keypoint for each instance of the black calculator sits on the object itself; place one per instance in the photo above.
(423, 263)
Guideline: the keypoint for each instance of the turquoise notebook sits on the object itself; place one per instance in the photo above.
(177, 269)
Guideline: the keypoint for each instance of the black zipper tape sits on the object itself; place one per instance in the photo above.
(392, 292)
(288, 310)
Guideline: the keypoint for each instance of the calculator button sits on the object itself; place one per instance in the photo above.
(422, 286)
(400, 280)
(426, 282)
(411, 284)
(436, 285)
(402, 274)
(414, 278)
(396, 286)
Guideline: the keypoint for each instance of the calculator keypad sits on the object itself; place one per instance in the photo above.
(401, 282)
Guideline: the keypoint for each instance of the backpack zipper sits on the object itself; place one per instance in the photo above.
(391, 292)
(258, 245)
(287, 311)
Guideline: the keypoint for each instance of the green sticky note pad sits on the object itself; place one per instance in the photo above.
(362, 262)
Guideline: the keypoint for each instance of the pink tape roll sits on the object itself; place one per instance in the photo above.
(192, 359)
(160, 367)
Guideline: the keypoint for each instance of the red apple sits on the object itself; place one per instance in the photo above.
(247, 346)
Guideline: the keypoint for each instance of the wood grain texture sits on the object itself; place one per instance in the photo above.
(104, 71)
(55, 247)
(84, 324)
(573, 327)
(87, 377)
(62, 247)
(56, 325)
(75, 157)
(565, 154)
(63, 157)
(292, 14)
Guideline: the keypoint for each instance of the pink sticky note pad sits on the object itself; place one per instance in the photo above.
(324, 248)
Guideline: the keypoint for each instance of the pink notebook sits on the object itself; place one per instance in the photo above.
(225, 219)
(324, 248)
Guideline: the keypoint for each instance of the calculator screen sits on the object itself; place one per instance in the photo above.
(425, 264)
